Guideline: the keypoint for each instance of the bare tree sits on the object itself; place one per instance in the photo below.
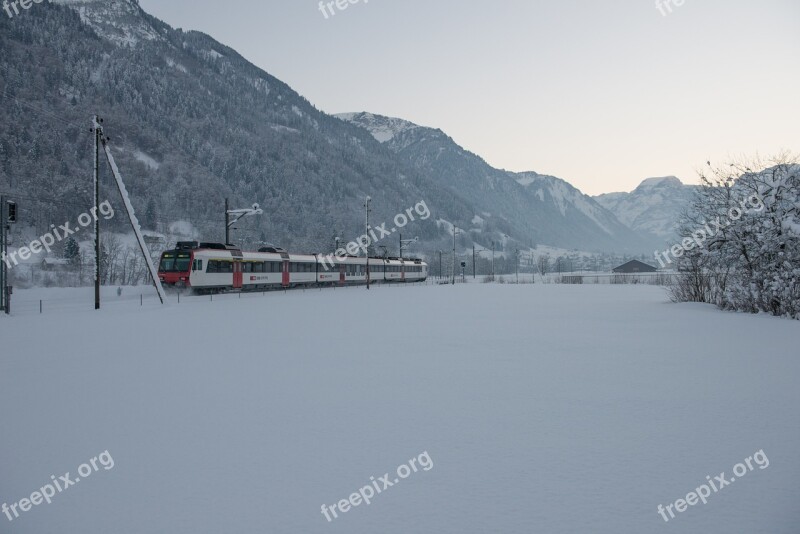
(543, 264)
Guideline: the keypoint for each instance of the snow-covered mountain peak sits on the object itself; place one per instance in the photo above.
(663, 182)
(382, 128)
(652, 207)
(120, 21)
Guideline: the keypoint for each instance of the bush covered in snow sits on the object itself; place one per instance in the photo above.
(741, 239)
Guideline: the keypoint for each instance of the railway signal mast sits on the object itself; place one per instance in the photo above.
(368, 210)
(405, 243)
(8, 216)
(247, 212)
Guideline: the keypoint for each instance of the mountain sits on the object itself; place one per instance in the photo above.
(653, 207)
(192, 123)
(527, 206)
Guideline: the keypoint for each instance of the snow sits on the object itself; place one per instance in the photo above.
(284, 129)
(564, 196)
(116, 21)
(654, 206)
(211, 54)
(671, 181)
(526, 180)
(175, 65)
(382, 128)
(148, 161)
(544, 409)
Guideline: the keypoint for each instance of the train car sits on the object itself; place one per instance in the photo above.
(212, 267)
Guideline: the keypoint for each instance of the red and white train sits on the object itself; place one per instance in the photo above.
(211, 267)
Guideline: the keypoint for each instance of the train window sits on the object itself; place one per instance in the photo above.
(217, 266)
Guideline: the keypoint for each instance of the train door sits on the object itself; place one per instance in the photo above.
(238, 277)
(342, 277)
(286, 280)
(402, 273)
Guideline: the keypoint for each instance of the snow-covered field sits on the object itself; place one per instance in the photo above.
(543, 408)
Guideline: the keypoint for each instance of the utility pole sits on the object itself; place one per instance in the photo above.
(455, 231)
(126, 201)
(366, 233)
(227, 223)
(492, 259)
(98, 133)
(440, 265)
(516, 255)
(474, 275)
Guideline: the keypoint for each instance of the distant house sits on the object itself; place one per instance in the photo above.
(55, 264)
(153, 238)
(635, 266)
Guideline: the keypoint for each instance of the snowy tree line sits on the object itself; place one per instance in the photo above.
(753, 264)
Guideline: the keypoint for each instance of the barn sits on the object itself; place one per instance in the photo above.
(635, 266)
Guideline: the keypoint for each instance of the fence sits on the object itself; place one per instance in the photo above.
(653, 279)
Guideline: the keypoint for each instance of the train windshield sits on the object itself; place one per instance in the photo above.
(175, 262)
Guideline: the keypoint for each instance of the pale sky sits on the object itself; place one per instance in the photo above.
(600, 93)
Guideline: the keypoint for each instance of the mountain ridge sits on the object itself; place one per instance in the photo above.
(193, 122)
(551, 210)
